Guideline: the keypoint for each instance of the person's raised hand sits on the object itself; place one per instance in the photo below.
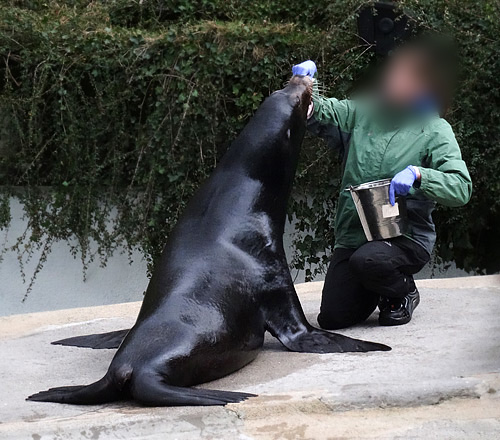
(306, 68)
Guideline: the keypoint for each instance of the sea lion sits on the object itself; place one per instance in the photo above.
(222, 280)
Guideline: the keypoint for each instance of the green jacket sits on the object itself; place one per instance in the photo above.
(376, 145)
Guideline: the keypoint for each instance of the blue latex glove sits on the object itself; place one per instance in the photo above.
(402, 183)
(307, 68)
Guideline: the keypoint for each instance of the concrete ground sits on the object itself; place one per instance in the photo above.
(440, 381)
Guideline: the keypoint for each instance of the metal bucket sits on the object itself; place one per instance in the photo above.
(379, 218)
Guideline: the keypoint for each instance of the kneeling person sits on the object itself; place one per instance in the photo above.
(396, 133)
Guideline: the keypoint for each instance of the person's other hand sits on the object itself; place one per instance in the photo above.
(402, 182)
(307, 68)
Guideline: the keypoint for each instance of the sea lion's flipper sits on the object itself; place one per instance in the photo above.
(286, 321)
(102, 391)
(97, 341)
(151, 390)
(320, 341)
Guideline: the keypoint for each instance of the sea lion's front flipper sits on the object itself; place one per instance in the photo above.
(286, 321)
(315, 340)
(97, 341)
(151, 390)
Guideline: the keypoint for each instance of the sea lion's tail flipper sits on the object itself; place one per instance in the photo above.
(286, 321)
(151, 390)
(102, 391)
(97, 341)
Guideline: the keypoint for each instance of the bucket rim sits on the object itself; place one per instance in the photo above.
(369, 185)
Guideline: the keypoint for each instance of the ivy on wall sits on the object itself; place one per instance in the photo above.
(113, 112)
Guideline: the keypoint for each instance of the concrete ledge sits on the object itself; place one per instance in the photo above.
(442, 379)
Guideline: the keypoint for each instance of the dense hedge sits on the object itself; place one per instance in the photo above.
(119, 109)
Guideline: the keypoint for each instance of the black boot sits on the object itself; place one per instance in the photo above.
(398, 311)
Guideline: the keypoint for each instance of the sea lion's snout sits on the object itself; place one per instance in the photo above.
(300, 89)
(301, 80)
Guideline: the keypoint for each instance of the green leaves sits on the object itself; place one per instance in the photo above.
(113, 113)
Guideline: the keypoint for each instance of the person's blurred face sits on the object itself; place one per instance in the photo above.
(403, 82)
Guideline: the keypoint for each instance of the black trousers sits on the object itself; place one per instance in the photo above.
(356, 279)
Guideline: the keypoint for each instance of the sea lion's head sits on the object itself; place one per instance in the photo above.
(278, 127)
(299, 91)
(269, 145)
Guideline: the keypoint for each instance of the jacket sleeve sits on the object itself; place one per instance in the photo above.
(339, 113)
(445, 178)
(332, 119)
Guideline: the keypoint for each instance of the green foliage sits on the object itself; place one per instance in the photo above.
(113, 112)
